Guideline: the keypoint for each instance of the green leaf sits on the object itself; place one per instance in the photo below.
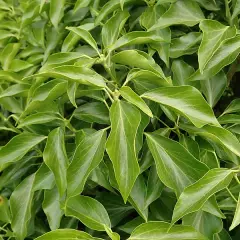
(212, 182)
(17, 147)
(66, 234)
(198, 221)
(86, 36)
(214, 33)
(185, 45)
(184, 12)
(87, 156)
(236, 9)
(185, 100)
(89, 211)
(39, 118)
(125, 119)
(137, 197)
(113, 27)
(5, 215)
(44, 178)
(154, 187)
(160, 230)
(218, 135)
(214, 88)
(225, 55)
(55, 157)
(8, 54)
(93, 112)
(80, 75)
(138, 59)
(81, 4)
(110, 7)
(20, 203)
(71, 92)
(133, 38)
(15, 90)
(176, 167)
(181, 72)
(52, 208)
(56, 11)
(128, 94)
(236, 219)
(233, 107)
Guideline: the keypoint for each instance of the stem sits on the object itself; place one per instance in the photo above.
(231, 195)
(236, 178)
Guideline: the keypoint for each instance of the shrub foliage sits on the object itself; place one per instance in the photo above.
(119, 119)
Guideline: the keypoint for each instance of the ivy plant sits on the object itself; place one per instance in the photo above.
(119, 119)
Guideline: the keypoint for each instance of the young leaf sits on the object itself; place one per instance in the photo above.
(185, 100)
(17, 147)
(55, 157)
(125, 119)
(185, 12)
(87, 156)
(89, 211)
(176, 167)
(128, 94)
(212, 182)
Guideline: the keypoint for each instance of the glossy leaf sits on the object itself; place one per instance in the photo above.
(89, 211)
(160, 230)
(87, 156)
(185, 100)
(86, 36)
(212, 182)
(180, 12)
(214, 33)
(76, 74)
(52, 208)
(20, 204)
(113, 27)
(125, 118)
(15, 149)
(136, 38)
(171, 157)
(128, 94)
(55, 157)
(64, 234)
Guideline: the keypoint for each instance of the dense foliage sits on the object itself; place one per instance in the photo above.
(119, 119)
